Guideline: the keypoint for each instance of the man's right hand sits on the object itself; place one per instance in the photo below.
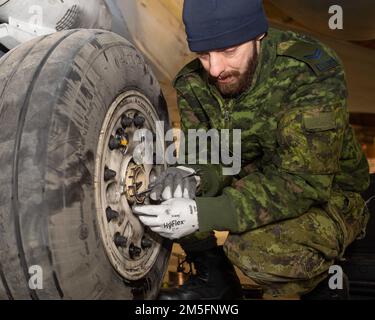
(175, 182)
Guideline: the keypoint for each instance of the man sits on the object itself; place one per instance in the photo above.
(296, 204)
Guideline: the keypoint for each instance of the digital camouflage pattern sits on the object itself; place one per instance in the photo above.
(295, 206)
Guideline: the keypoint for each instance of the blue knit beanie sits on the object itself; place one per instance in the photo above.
(219, 24)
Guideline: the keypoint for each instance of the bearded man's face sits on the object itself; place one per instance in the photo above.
(231, 70)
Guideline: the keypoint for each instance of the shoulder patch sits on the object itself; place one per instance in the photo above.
(191, 67)
(312, 54)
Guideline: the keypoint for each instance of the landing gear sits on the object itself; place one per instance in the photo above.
(70, 105)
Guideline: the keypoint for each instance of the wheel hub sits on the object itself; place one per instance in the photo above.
(135, 182)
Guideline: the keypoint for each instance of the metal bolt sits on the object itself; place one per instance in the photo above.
(146, 243)
(120, 132)
(120, 241)
(134, 251)
(111, 214)
(139, 121)
(126, 122)
(109, 174)
(114, 143)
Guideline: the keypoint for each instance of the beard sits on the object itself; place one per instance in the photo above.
(241, 82)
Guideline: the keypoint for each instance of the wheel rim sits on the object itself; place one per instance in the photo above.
(131, 248)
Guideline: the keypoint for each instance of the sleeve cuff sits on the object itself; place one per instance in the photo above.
(216, 213)
(211, 182)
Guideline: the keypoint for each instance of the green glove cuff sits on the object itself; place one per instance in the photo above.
(212, 181)
(216, 213)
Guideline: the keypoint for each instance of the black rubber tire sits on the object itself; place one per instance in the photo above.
(54, 94)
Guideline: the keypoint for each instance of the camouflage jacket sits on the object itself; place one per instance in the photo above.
(297, 144)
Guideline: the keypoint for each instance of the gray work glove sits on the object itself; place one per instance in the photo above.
(175, 183)
(173, 219)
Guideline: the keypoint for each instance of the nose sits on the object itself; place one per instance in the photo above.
(217, 64)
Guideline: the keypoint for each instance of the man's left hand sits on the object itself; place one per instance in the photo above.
(173, 219)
